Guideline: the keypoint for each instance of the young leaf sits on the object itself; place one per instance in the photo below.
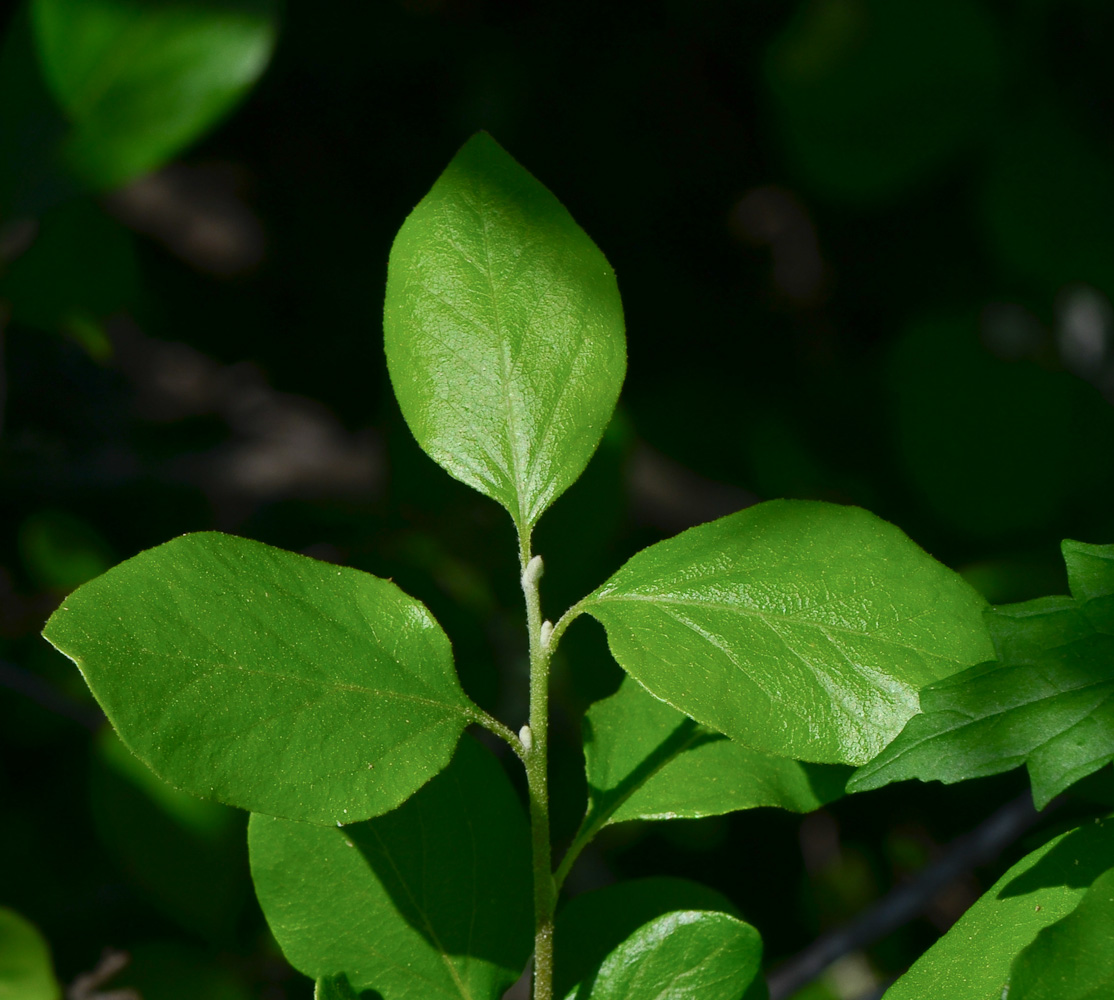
(25, 969)
(590, 926)
(267, 680)
(503, 331)
(140, 80)
(1048, 702)
(1074, 958)
(431, 900)
(798, 628)
(646, 760)
(686, 955)
(972, 961)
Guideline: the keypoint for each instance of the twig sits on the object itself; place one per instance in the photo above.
(87, 985)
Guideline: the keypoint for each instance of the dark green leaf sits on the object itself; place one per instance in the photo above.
(972, 961)
(646, 760)
(685, 955)
(334, 988)
(25, 969)
(798, 628)
(265, 679)
(1048, 702)
(431, 900)
(504, 332)
(592, 925)
(141, 79)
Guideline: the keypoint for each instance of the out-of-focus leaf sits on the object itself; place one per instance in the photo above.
(1048, 702)
(798, 628)
(430, 900)
(168, 970)
(25, 969)
(265, 679)
(62, 551)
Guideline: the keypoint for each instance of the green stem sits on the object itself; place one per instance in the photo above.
(535, 757)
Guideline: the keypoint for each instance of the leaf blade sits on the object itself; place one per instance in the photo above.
(26, 971)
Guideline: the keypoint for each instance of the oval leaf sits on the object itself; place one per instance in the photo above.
(265, 679)
(799, 628)
(140, 79)
(686, 955)
(26, 972)
(431, 900)
(503, 331)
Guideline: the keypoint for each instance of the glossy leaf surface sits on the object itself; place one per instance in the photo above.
(685, 955)
(26, 972)
(1047, 702)
(431, 900)
(592, 925)
(646, 760)
(798, 628)
(503, 331)
(265, 679)
(1074, 958)
(141, 79)
(972, 961)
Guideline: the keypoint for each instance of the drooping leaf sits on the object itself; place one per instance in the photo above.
(972, 961)
(26, 972)
(265, 679)
(646, 760)
(431, 900)
(1047, 702)
(798, 628)
(141, 79)
(1072, 959)
(592, 925)
(685, 955)
(503, 331)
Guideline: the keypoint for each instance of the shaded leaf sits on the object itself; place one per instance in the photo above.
(503, 331)
(431, 900)
(25, 969)
(798, 628)
(1047, 702)
(265, 679)
(972, 961)
(334, 988)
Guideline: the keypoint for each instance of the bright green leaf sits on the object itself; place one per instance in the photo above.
(592, 925)
(141, 79)
(1048, 702)
(646, 760)
(25, 969)
(504, 332)
(972, 961)
(798, 628)
(431, 900)
(685, 955)
(267, 680)
(1074, 958)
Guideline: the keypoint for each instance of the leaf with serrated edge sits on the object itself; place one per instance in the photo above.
(26, 972)
(265, 679)
(503, 331)
(799, 628)
(972, 961)
(646, 760)
(431, 900)
(1047, 702)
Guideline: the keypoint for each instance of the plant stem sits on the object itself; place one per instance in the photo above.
(537, 776)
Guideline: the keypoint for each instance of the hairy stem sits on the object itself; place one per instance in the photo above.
(535, 756)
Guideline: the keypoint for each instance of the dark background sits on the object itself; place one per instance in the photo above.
(866, 252)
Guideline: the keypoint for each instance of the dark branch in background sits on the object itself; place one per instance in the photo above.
(907, 901)
(45, 696)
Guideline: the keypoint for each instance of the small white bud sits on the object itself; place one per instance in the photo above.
(527, 737)
(547, 632)
(533, 571)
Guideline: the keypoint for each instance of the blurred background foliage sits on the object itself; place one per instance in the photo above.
(866, 249)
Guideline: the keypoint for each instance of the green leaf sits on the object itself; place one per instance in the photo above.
(1074, 958)
(646, 760)
(972, 961)
(431, 900)
(334, 988)
(1048, 702)
(686, 955)
(267, 680)
(141, 79)
(503, 331)
(590, 926)
(798, 628)
(25, 969)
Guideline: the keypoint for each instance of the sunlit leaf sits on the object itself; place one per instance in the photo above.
(25, 969)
